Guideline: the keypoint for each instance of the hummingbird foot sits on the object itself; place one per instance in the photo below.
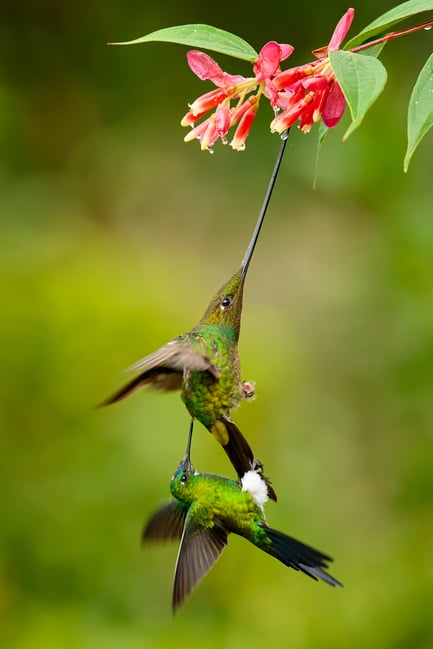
(248, 389)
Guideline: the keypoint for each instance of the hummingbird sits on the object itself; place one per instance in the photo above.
(204, 363)
(205, 509)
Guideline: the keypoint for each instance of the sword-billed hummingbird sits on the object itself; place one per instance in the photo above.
(204, 363)
(205, 509)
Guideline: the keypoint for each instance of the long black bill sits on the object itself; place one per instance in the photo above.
(249, 253)
(186, 462)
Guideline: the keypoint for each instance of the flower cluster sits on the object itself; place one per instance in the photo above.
(231, 87)
(306, 93)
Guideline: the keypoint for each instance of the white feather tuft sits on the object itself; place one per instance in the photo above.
(256, 486)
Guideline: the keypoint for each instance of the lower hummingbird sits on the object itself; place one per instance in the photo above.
(205, 509)
(204, 362)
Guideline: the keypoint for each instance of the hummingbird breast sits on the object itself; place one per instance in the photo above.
(207, 398)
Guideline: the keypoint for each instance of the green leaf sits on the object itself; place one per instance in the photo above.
(390, 18)
(420, 113)
(362, 79)
(201, 36)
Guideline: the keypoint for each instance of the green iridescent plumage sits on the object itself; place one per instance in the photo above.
(205, 509)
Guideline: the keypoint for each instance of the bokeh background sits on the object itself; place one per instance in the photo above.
(115, 234)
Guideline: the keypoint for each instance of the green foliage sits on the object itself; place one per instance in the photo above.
(202, 36)
(387, 20)
(420, 117)
(362, 79)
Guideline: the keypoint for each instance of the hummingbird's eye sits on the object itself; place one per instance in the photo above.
(226, 301)
(184, 478)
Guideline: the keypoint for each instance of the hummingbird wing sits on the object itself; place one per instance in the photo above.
(298, 555)
(164, 368)
(199, 549)
(166, 523)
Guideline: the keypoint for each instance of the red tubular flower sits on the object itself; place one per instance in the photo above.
(245, 123)
(222, 120)
(207, 102)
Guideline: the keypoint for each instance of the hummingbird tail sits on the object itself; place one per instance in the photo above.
(299, 556)
(240, 453)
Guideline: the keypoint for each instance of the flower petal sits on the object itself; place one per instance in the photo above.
(271, 93)
(243, 129)
(286, 51)
(196, 132)
(287, 78)
(209, 136)
(205, 67)
(222, 119)
(286, 119)
(341, 30)
(189, 119)
(334, 106)
(268, 62)
(207, 101)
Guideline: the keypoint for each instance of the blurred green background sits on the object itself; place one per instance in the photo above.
(115, 234)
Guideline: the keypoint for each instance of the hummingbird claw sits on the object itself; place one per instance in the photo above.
(248, 389)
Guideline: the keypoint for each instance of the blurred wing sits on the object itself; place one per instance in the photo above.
(178, 354)
(164, 369)
(166, 523)
(199, 549)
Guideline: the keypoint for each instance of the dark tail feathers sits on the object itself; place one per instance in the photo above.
(242, 457)
(299, 556)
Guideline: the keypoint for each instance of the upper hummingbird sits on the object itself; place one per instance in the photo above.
(205, 509)
(204, 363)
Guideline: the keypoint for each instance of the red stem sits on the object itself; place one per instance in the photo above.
(391, 35)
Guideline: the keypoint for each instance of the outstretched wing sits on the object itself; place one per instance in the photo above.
(166, 523)
(199, 549)
(164, 369)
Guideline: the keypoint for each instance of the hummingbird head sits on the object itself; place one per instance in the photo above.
(182, 483)
(225, 308)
